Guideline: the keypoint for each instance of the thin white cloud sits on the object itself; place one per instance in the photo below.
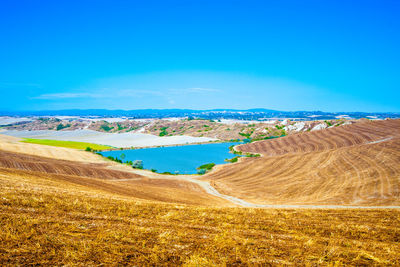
(193, 90)
(67, 95)
(117, 93)
(135, 92)
(199, 89)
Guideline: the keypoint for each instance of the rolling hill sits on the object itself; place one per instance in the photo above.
(356, 164)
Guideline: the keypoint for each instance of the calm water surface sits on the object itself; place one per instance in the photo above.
(182, 159)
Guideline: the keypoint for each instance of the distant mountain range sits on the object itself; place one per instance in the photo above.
(249, 114)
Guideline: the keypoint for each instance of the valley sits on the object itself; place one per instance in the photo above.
(309, 191)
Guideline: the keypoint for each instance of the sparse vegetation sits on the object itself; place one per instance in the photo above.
(163, 131)
(106, 127)
(62, 126)
(120, 127)
(232, 160)
(206, 167)
(116, 159)
(247, 135)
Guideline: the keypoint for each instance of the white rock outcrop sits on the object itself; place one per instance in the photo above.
(319, 127)
(297, 127)
(285, 122)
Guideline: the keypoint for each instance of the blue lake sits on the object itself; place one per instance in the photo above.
(182, 159)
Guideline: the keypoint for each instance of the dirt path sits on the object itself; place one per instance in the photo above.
(206, 186)
(212, 191)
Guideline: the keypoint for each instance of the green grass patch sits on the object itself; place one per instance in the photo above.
(68, 144)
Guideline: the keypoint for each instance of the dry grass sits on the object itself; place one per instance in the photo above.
(50, 221)
(357, 164)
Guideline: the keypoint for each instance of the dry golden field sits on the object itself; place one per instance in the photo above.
(49, 221)
(356, 164)
(60, 206)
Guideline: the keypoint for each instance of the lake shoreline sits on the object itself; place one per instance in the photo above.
(180, 159)
(170, 145)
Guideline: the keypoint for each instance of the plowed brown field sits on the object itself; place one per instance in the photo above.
(104, 175)
(13, 144)
(356, 164)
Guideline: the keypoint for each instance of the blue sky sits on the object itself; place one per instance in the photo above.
(284, 55)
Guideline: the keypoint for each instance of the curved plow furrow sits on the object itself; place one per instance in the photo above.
(341, 165)
(46, 165)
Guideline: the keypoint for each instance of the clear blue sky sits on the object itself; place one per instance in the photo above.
(285, 55)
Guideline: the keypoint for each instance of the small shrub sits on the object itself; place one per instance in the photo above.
(120, 127)
(137, 164)
(106, 128)
(232, 160)
(61, 126)
(207, 166)
(201, 171)
(250, 155)
(163, 131)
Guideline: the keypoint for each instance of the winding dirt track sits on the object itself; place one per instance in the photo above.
(356, 164)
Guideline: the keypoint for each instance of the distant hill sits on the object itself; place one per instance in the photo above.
(244, 114)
